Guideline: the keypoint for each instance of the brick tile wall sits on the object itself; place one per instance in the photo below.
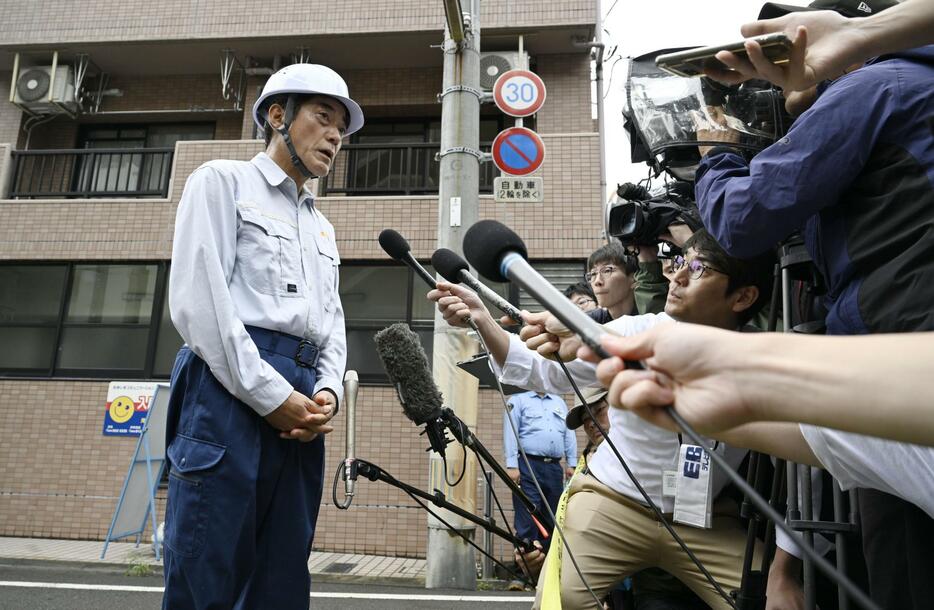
(116, 20)
(565, 225)
(567, 106)
(61, 478)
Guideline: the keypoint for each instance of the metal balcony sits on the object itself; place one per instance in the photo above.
(91, 173)
(392, 169)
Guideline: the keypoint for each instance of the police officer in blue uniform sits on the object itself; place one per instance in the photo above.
(254, 293)
(539, 420)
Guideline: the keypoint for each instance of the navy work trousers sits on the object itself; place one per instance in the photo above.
(551, 479)
(242, 502)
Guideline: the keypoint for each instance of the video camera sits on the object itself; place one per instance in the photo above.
(664, 115)
(638, 218)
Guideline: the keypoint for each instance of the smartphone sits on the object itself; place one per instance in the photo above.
(775, 47)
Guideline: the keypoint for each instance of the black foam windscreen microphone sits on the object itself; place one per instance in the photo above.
(398, 248)
(499, 255)
(454, 269)
(486, 242)
(407, 366)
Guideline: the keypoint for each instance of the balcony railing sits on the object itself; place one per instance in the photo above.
(92, 172)
(393, 169)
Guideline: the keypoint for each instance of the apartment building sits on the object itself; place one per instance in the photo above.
(90, 176)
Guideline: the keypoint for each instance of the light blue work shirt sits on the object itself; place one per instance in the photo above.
(249, 250)
(542, 431)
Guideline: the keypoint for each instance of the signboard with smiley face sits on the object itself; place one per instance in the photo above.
(127, 407)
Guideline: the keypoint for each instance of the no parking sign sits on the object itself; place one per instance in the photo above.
(518, 151)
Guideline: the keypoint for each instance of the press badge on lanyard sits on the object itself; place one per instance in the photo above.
(693, 499)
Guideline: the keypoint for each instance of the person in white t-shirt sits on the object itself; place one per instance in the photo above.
(610, 529)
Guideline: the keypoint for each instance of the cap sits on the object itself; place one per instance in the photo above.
(575, 417)
(847, 8)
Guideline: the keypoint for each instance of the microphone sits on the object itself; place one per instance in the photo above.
(500, 255)
(398, 248)
(351, 385)
(454, 269)
(406, 364)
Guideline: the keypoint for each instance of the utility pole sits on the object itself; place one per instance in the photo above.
(450, 560)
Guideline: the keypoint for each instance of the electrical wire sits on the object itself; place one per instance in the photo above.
(444, 462)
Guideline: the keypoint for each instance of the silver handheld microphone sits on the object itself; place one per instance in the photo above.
(454, 269)
(351, 384)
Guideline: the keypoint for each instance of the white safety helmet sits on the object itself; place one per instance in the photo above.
(310, 79)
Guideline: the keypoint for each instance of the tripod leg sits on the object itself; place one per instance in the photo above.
(840, 516)
(807, 514)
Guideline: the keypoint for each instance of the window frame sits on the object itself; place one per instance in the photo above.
(414, 289)
(53, 371)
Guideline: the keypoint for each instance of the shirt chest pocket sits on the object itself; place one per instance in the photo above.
(269, 254)
(327, 263)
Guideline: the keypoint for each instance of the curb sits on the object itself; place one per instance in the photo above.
(120, 569)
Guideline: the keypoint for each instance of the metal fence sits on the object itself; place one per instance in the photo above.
(393, 169)
(92, 172)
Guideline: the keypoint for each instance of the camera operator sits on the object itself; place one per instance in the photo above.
(613, 534)
(855, 171)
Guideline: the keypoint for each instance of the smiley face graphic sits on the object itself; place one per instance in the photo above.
(122, 409)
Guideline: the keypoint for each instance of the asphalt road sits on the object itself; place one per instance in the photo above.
(44, 587)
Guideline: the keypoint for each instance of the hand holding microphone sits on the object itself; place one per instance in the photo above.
(548, 336)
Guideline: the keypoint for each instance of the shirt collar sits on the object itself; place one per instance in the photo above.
(275, 176)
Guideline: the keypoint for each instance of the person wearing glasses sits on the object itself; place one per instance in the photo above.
(855, 175)
(581, 294)
(625, 285)
(610, 528)
(610, 271)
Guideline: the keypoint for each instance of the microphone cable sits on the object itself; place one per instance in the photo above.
(762, 504)
(551, 514)
(658, 512)
(606, 437)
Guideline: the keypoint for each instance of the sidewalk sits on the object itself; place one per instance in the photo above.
(324, 567)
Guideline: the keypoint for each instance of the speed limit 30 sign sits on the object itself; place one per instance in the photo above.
(519, 93)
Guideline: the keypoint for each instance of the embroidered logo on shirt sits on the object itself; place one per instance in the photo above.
(864, 7)
(291, 288)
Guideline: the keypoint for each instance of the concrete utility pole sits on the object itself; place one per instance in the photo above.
(451, 562)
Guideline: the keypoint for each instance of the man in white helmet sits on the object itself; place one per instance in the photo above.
(254, 293)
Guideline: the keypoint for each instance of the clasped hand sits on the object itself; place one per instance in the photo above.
(302, 418)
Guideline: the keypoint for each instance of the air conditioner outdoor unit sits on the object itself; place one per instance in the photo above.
(32, 85)
(494, 63)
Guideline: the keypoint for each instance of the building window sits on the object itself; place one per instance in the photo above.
(132, 171)
(111, 320)
(31, 298)
(375, 296)
(85, 320)
(560, 274)
(106, 325)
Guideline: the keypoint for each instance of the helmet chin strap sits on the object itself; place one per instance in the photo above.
(284, 132)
